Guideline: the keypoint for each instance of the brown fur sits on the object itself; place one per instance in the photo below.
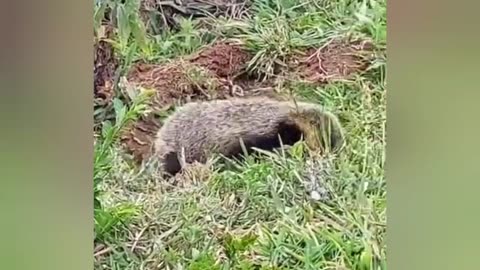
(199, 129)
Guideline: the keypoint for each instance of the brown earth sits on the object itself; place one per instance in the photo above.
(229, 61)
(223, 58)
(337, 60)
(105, 65)
(138, 137)
(176, 81)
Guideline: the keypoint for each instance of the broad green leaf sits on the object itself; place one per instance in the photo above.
(124, 29)
(139, 33)
(99, 13)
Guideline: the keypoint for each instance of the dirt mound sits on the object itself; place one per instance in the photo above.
(337, 60)
(138, 137)
(174, 83)
(229, 61)
(105, 65)
(224, 59)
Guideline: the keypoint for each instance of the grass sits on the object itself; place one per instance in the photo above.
(258, 213)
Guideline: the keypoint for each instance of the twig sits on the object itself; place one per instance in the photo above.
(137, 238)
(103, 251)
(170, 231)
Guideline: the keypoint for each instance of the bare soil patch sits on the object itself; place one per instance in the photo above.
(229, 61)
(246, 85)
(138, 137)
(224, 59)
(336, 60)
(105, 66)
(176, 81)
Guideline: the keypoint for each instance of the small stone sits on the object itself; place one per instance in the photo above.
(315, 196)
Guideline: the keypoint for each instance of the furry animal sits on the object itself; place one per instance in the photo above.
(200, 129)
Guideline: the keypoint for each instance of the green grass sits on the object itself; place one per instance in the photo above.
(259, 213)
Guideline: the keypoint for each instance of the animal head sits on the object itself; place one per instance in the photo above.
(321, 129)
